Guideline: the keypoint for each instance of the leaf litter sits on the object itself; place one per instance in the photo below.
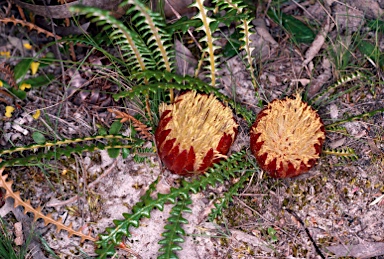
(339, 201)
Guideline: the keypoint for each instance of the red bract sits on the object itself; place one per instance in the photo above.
(287, 137)
(194, 132)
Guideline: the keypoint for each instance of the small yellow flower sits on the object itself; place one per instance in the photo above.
(34, 67)
(27, 46)
(6, 54)
(36, 115)
(8, 111)
(1, 83)
(24, 85)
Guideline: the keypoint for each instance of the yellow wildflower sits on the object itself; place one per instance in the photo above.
(36, 115)
(6, 54)
(24, 85)
(1, 83)
(34, 67)
(27, 46)
(8, 111)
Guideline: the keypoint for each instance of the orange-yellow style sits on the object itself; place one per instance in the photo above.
(287, 137)
(194, 132)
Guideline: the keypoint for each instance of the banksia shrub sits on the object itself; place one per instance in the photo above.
(194, 132)
(287, 137)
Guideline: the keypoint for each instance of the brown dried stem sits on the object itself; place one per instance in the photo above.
(37, 212)
(29, 25)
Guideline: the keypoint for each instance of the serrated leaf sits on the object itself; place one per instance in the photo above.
(125, 152)
(102, 131)
(113, 152)
(209, 39)
(170, 256)
(21, 69)
(183, 24)
(66, 151)
(38, 137)
(229, 17)
(115, 128)
(171, 247)
(146, 204)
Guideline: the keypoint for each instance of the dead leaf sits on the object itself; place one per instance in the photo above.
(19, 240)
(76, 82)
(179, 6)
(347, 18)
(333, 111)
(302, 81)
(249, 239)
(318, 42)
(355, 129)
(337, 143)
(373, 147)
(363, 250)
(370, 8)
(263, 31)
(185, 61)
(17, 43)
(318, 82)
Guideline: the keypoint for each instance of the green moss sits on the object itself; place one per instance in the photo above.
(235, 215)
(224, 242)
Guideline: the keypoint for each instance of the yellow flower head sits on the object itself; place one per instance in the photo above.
(8, 111)
(1, 83)
(34, 67)
(24, 85)
(6, 54)
(27, 46)
(36, 115)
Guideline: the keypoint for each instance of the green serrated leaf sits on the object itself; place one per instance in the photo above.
(229, 17)
(115, 128)
(66, 151)
(183, 24)
(174, 232)
(209, 39)
(39, 80)
(113, 152)
(38, 137)
(228, 196)
(114, 235)
(169, 256)
(21, 69)
(102, 131)
(125, 152)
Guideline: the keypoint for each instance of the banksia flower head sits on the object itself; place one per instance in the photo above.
(194, 132)
(287, 137)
